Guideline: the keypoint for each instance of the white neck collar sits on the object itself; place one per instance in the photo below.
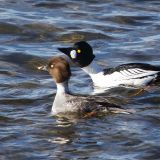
(60, 98)
(62, 87)
(92, 68)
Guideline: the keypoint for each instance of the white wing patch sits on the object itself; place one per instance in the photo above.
(134, 73)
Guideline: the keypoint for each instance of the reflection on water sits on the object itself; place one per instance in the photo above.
(120, 32)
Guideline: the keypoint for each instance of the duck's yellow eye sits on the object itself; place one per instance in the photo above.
(78, 51)
(52, 65)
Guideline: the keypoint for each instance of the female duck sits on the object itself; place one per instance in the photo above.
(65, 102)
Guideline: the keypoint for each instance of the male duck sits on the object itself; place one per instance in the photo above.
(131, 74)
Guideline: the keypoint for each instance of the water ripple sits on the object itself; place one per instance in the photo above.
(120, 32)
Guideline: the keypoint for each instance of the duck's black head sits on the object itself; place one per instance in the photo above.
(81, 53)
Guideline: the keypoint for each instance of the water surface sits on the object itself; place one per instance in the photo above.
(120, 32)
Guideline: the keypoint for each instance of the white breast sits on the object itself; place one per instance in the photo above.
(64, 103)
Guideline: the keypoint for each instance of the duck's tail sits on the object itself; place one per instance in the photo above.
(123, 111)
(157, 80)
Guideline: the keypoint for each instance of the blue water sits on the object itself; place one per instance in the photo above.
(120, 32)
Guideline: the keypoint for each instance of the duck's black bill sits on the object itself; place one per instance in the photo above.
(66, 50)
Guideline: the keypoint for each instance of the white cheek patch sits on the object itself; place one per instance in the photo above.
(73, 54)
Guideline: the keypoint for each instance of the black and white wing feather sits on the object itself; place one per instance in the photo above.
(132, 71)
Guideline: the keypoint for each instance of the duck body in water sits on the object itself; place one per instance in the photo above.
(65, 102)
(129, 75)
